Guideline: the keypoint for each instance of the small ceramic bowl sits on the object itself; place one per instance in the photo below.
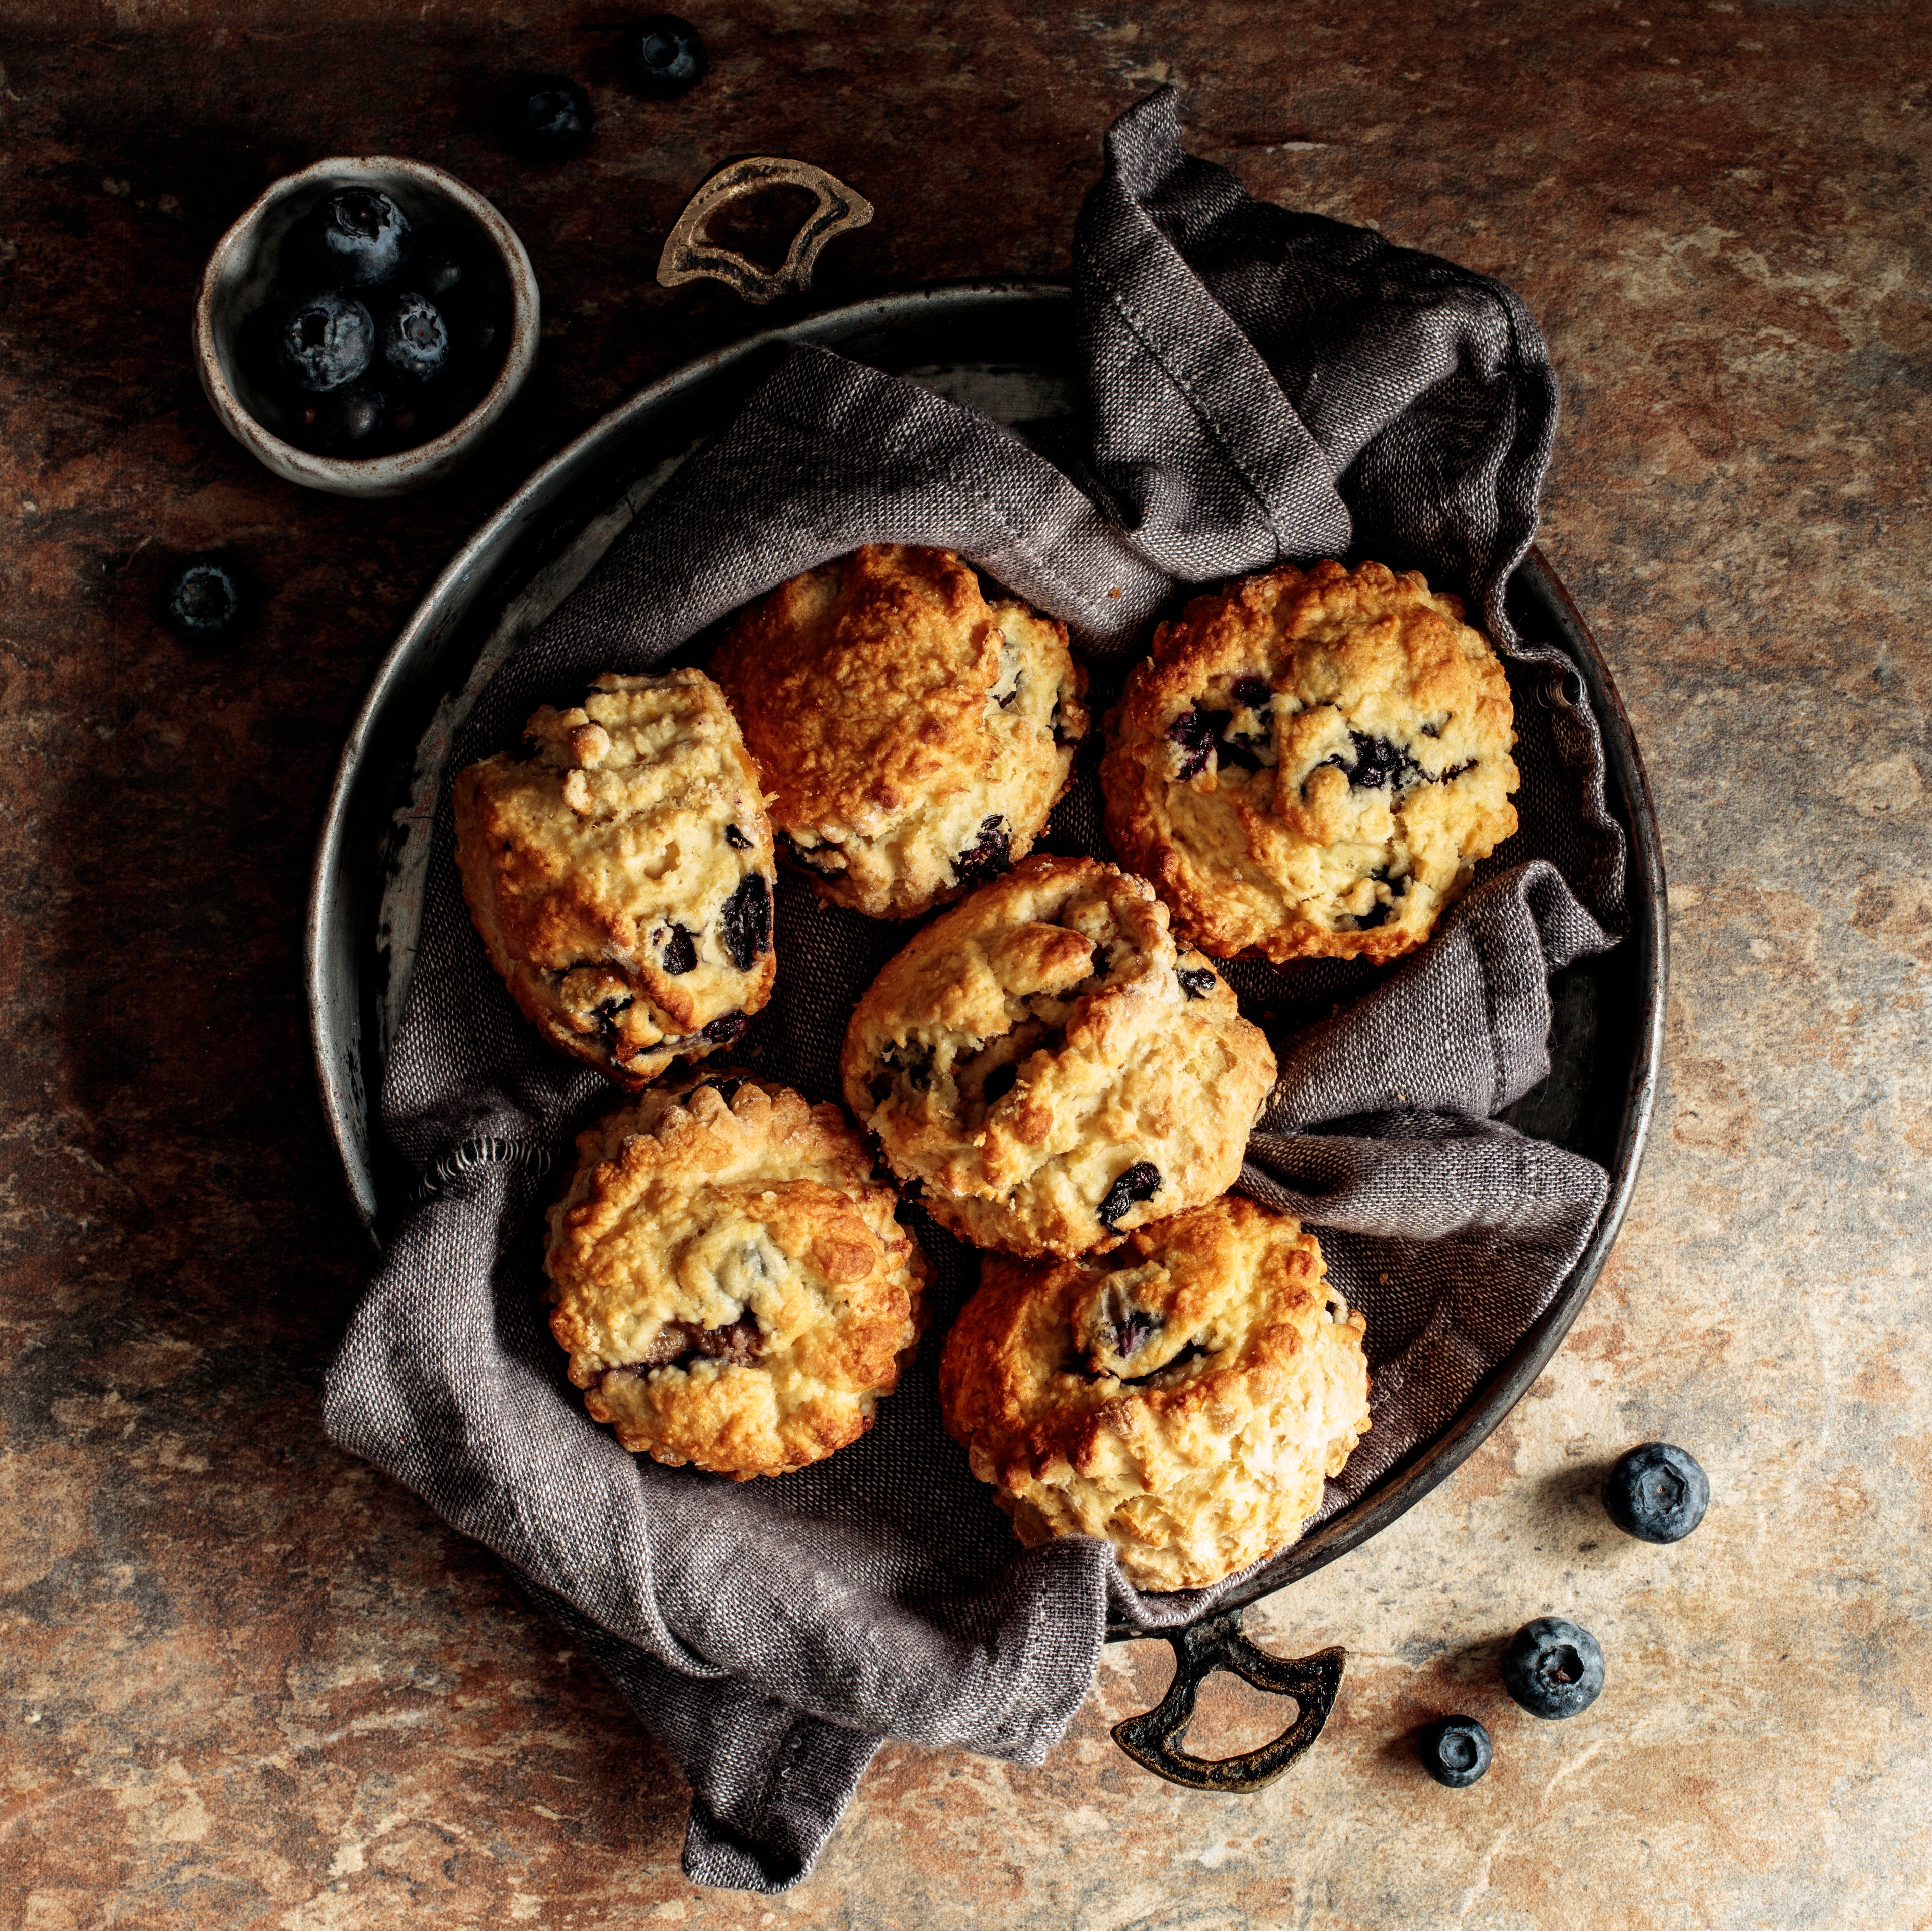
(242, 268)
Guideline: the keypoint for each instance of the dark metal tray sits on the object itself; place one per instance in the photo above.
(1005, 349)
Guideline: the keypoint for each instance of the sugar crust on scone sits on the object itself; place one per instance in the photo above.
(731, 1284)
(912, 737)
(1049, 1067)
(1184, 1396)
(621, 875)
(1310, 763)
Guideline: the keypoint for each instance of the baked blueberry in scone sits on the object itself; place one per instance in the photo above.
(912, 737)
(621, 874)
(729, 1280)
(1049, 1069)
(1311, 762)
(1184, 1396)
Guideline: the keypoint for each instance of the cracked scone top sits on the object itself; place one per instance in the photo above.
(1184, 1396)
(1310, 763)
(729, 1282)
(1049, 1069)
(621, 874)
(912, 737)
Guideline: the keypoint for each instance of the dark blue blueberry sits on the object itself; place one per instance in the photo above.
(208, 601)
(989, 855)
(1553, 1668)
(736, 839)
(415, 340)
(358, 238)
(1251, 690)
(680, 952)
(1378, 764)
(1133, 1330)
(345, 422)
(550, 117)
(1001, 1081)
(1455, 1750)
(1193, 734)
(326, 342)
(663, 56)
(1656, 1493)
(746, 922)
(1197, 981)
(1141, 1181)
(722, 1032)
(443, 266)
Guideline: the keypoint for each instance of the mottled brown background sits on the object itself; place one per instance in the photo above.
(247, 1681)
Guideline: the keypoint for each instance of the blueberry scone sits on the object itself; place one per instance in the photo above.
(728, 1279)
(1184, 1396)
(912, 737)
(1310, 763)
(621, 874)
(1049, 1069)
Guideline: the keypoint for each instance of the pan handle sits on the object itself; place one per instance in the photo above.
(687, 254)
(1216, 1642)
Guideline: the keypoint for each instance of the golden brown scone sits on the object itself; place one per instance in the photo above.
(1043, 1062)
(731, 1283)
(1311, 762)
(912, 737)
(1183, 1396)
(621, 876)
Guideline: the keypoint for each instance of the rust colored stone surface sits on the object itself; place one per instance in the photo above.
(244, 1681)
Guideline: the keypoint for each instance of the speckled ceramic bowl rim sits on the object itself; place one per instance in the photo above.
(405, 469)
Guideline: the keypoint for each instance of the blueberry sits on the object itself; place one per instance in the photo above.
(1197, 981)
(663, 56)
(1193, 734)
(550, 117)
(359, 238)
(679, 953)
(736, 839)
(746, 922)
(1378, 764)
(1455, 1750)
(443, 266)
(989, 855)
(326, 341)
(722, 1032)
(345, 422)
(1141, 1181)
(208, 601)
(1553, 1668)
(1251, 690)
(415, 340)
(1656, 1493)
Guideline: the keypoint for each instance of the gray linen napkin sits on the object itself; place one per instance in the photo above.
(1263, 385)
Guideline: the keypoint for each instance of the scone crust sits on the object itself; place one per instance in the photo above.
(912, 737)
(621, 876)
(1379, 728)
(1123, 1080)
(729, 1282)
(1184, 1396)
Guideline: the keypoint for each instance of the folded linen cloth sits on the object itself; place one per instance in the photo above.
(1263, 385)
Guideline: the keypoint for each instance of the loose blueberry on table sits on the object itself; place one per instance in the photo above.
(207, 601)
(1455, 1751)
(1656, 1493)
(663, 56)
(550, 117)
(377, 337)
(1553, 1668)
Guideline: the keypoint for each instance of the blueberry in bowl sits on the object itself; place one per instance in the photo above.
(1553, 1668)
(1657, 1492)
(365, 324)
(1455, 1751)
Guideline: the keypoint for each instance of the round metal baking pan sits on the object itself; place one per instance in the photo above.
(1006, 349)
